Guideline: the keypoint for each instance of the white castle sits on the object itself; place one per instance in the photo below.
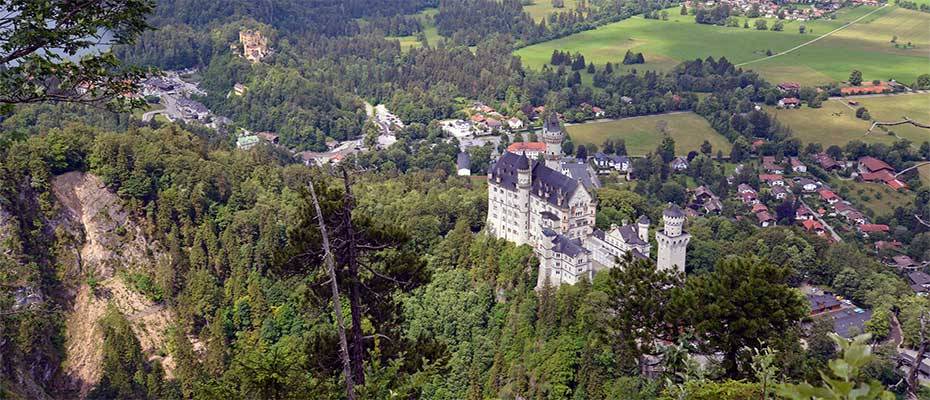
(533, 203)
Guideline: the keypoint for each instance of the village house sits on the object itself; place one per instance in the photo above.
(789, 102)
(765, 219)
(826, 162)
(828, 196)
(877, 171)
(679, 164)
(870, 229)
(772, 179)
(807, 185)
(515, 123)
(789, 88)
(771, 166)
(813, 226)
(605, 162)
(797, 166)
(905, 262)
(920, 282)
(703, 198)
(268, 137)
(803, 213)
(823, 303)
(780, 193)
(531, 149)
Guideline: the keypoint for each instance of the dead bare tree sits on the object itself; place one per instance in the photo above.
(337, 302)
(357, 352)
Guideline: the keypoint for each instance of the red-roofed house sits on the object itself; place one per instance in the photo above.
(828, 196)
(765, 219)
(869, 164)
(885, 177)
(803, 214)
(757, 208)
(866, 88)
(789, 102)
(812, 226)
(532, 149)
(867, 229)
(827, 162)
(772, 179)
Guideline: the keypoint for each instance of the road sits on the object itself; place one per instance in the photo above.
(836, 237)
(814, 40)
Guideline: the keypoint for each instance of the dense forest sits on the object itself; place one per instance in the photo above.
(446, 311)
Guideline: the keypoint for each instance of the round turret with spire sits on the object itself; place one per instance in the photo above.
(524, 175)
(552, 136)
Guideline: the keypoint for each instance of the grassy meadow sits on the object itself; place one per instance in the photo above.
(925, 174)
(877, 197)
(865, 45)
(540, 9)
(836, 122)
(642, 134)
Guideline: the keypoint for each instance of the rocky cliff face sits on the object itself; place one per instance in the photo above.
(97, 242)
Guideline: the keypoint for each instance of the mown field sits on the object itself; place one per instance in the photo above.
(836, 122)
(865, 45)
(642, 134)
(540, 9)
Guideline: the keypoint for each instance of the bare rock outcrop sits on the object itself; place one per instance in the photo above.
(98, 240)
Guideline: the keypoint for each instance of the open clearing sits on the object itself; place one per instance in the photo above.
(865, 45)
(432, 34)
(642, 134)
(540, 9)
(836, 122)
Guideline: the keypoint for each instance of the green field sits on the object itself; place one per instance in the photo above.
(836, 122)
(877, 197)
(925, 175)
(865, 46)
(642, 134)
(540, 9)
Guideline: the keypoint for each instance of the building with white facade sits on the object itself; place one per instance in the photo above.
(673, 240)
(531, 203)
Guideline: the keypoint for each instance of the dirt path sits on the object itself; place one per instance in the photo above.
(813, 40)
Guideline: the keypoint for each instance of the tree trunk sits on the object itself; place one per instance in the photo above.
(912, 384)
(357, 352)
(337, 302)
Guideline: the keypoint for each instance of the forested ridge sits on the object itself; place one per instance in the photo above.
(446, 311)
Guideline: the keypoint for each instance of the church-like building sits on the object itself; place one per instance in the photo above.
(532, 202)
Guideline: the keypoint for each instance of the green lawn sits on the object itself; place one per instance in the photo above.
(666, 43)
(894, 108)
(642, 134)
(836, 123)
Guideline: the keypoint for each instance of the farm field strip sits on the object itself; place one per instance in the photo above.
(642, 134)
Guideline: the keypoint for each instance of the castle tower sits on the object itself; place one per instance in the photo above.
(524, 175)
(552, 135)
(642, 225)
(524, 182)
(673, 241)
